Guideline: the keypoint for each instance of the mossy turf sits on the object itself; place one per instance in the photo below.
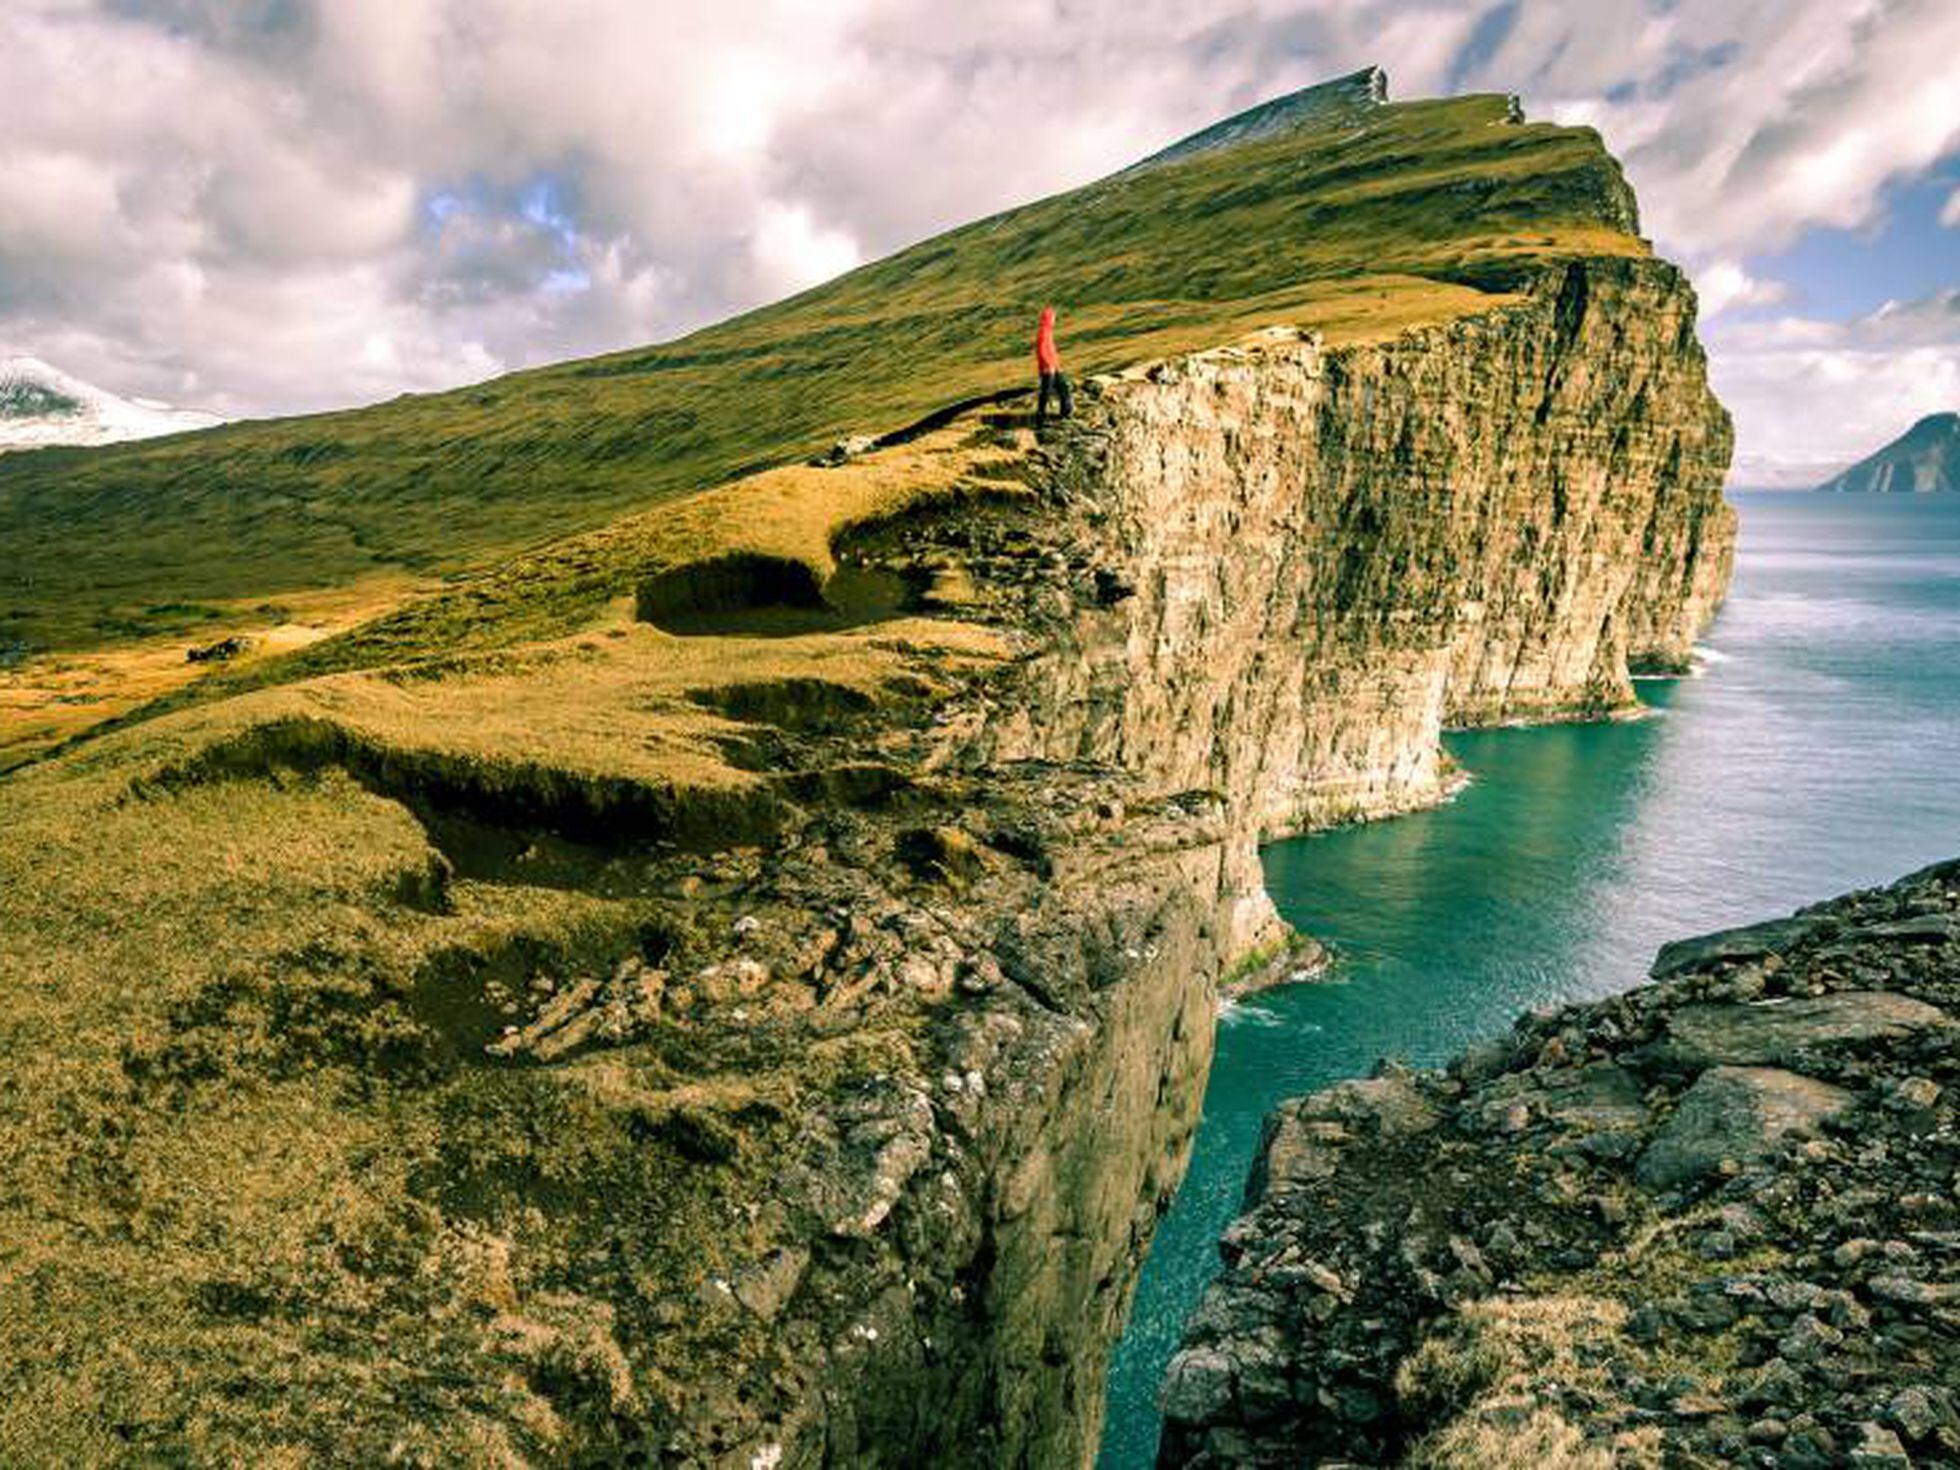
(267, 1198)
(1411, 212)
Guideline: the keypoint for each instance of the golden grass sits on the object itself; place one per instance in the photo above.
(49, 698)
(616, 707)
(1537, 1439)
(584, 583)
(798, 512)
(227, 1234)
(794, 513)
(1482, 1377)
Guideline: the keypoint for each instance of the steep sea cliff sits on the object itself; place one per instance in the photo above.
(735, 987)
(1257, 583)
(1306, 563)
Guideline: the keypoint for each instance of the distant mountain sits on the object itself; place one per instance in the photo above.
(42, 405)
(1925, 457)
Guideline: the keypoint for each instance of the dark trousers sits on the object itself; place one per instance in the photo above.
(1057, 384)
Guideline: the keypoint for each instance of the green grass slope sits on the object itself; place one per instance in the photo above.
(1430, 199)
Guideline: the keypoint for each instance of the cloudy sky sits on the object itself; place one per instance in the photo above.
(263, 206)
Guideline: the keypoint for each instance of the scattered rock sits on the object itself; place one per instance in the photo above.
(1748, 942)
(1197, 1385)
(1879, 1448)
(223, 651)
(846, 450)
(766, 1286)
(1779, 1032)
(1714, 1218)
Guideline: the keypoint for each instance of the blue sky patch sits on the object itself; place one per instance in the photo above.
(1907, 254)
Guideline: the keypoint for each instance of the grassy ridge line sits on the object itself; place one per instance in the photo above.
(1444, 192)
(794, 512)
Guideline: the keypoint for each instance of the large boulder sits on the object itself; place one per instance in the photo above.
(1778, 1032)
(1741, 1114)
(1750, 941)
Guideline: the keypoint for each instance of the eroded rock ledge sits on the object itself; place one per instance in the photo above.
(1709, 1222)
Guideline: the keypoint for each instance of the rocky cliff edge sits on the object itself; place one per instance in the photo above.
(1710, 1222)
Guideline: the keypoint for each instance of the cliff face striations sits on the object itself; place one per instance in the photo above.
(1333, 555)
(735, 987)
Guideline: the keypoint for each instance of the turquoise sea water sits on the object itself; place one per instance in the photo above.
(1819, 751)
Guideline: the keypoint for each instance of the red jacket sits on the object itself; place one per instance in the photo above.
(1046, 358)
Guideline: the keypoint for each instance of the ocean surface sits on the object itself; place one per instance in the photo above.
(1818, 750)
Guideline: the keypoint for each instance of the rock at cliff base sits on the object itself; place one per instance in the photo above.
(1749, 941)
(1713, 1221)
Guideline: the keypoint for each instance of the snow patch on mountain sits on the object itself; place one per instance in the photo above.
(41, 405)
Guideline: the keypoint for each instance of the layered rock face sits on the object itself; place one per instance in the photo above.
(1326, 557)
(1709, 1222)
(1258, 584)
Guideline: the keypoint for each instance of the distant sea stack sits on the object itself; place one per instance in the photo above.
(1924, 458)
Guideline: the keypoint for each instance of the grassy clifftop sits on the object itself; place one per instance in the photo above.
(1372, 218)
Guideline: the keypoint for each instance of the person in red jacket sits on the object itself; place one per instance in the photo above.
(1048, 363)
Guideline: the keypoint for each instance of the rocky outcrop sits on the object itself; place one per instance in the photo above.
(1709, 1222)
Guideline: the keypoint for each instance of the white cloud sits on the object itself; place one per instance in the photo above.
(1744, 122)
(792, 251)
(1950, 215)
(203, 198)
(1726, 284)
(1810, 397)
